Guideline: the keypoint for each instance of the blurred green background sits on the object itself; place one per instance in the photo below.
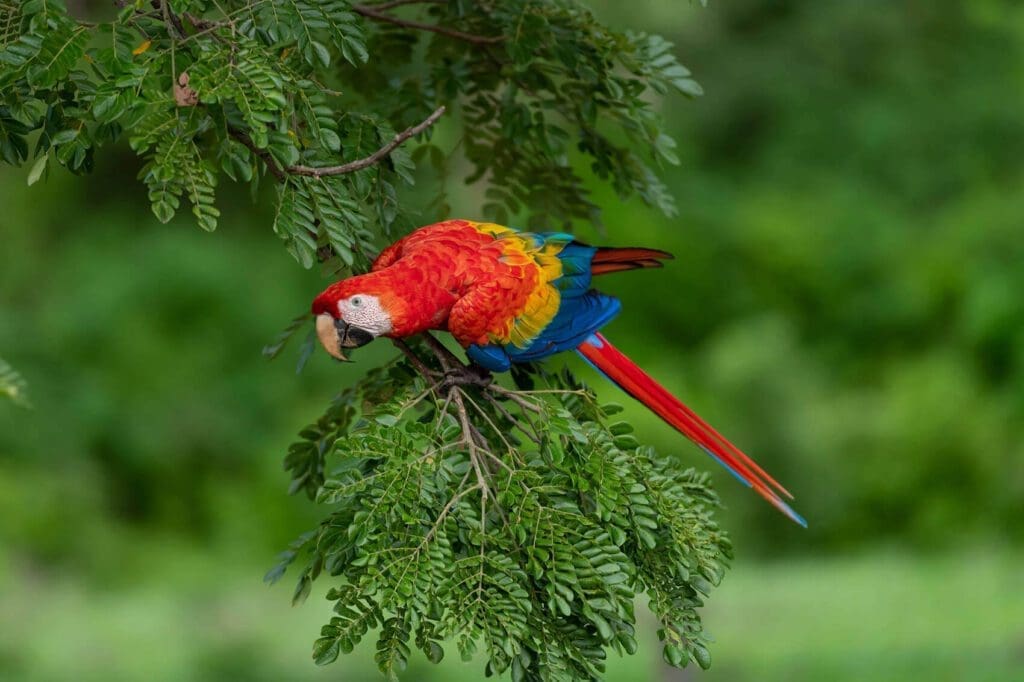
(846, 304)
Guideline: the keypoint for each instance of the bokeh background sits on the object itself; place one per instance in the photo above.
(846, 303)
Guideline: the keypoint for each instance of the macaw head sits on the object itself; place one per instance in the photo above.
(353, 312)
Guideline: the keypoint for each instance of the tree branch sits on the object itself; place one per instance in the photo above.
(514, 397)
(350, 167)
(170, 18)
(469, 440)
(372, 12)
(359, 164)
(263, 154)
(420, 366)
(202, 23)
(391, 4)
(447, 359)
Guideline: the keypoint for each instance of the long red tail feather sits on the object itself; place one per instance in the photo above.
(616, 259)
(634, 381)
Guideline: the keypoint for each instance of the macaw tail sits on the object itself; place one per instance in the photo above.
(616, 259)
(624, 373)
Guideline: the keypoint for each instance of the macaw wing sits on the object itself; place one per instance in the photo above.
(579, 316)
(560, 308)
(537, 257)
(579, 263)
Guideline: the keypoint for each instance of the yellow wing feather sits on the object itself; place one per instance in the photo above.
(541, 305)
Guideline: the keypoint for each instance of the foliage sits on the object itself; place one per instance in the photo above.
(205, 89)
(453, 514)
(531, 533)
(12, 385)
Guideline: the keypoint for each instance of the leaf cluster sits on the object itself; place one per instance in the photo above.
(199, 98)
(519, 525)
(250, 89)
(544, 87)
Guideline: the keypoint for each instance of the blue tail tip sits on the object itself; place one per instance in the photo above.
(793, 515)
(786, 509)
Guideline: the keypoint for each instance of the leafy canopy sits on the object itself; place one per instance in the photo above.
(525, 522)
(519, 520)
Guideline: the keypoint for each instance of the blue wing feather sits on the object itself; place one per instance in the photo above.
(575, 256)
(490, 357)
(578, 317)
(575, 279)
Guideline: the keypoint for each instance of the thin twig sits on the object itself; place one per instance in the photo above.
(483, 543)
(371, 12)
(448, 507)
(547, 391)
(469, 439)
(171, 19)
(398, 3)
(497, 431)
(444, 356)
(525, 405)
(350, 167)
(516, 398)
(359, 164)
(531, 434)
(228, 18)
(210, 26)
(427, 373)
(482, 445)
(201, 23)
(418, 399)
(443, 411)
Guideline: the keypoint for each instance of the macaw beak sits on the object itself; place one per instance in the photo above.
(335, 334)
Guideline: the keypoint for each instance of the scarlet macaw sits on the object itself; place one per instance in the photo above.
(509, 296)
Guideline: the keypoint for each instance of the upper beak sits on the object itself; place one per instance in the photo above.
(335, 334)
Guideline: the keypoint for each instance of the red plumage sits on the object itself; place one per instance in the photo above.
(616, 259)
(634, 381)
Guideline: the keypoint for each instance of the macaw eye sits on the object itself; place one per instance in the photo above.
(356, 302)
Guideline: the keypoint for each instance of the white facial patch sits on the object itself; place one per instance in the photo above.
(365, 311)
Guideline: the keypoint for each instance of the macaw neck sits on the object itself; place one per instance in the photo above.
(417, 298)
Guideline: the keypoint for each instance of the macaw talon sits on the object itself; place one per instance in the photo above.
(484, 377)
(467, 375)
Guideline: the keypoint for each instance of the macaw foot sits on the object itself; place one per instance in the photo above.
(467, 375)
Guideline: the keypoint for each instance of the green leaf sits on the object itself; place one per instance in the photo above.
(274, 348)
(321, 52)
(700, 655)
(326, 650)
(62, 46)
(37, 169)
(294, 218)
(12, 385)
